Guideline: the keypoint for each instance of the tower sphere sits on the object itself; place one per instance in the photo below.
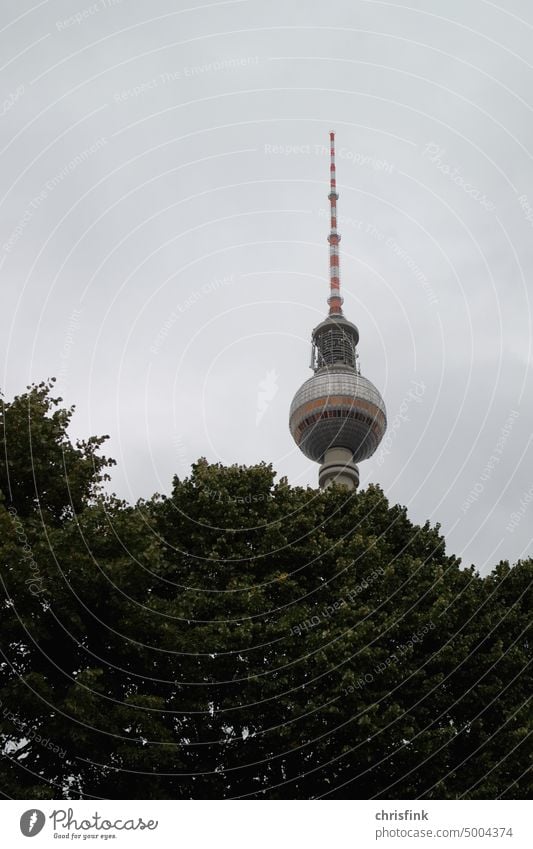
(337, 408)
(337, 417)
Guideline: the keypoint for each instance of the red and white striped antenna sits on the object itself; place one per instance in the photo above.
(335, 300)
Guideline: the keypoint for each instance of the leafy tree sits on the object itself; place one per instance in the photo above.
(245, 638)
(40, 467)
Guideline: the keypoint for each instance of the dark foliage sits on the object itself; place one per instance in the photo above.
(243, 638)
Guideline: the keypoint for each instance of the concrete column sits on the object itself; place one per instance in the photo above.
(338, 467)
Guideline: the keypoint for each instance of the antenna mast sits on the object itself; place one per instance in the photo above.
(335, 300)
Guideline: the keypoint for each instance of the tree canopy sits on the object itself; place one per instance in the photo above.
(241, 637)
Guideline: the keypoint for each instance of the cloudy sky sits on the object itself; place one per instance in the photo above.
(163, 235)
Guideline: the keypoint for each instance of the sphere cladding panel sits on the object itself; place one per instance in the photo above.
(338, 409)
(340, 381)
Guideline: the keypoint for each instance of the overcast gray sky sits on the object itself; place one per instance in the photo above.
(163, 244)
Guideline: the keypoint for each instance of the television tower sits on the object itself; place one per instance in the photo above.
(337, 417)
